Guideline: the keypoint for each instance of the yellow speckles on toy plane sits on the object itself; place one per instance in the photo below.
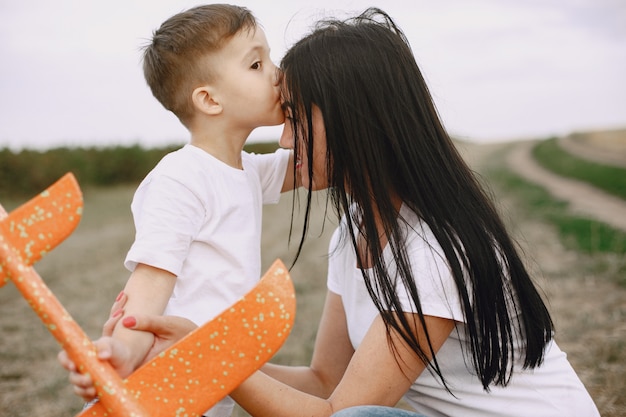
(186, 379)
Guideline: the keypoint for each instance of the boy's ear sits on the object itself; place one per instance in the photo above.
(204, 100)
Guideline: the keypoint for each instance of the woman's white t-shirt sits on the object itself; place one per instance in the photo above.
(553, 389)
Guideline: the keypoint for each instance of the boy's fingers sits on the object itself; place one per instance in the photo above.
(65, 361)
(82, 382)
(104, 347)
(88, 394)
(83, 386)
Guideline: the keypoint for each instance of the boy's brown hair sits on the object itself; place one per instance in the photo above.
(173, 60)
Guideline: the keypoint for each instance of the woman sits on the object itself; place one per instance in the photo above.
(427, 298)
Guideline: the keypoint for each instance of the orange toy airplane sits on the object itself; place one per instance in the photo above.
(186, 379)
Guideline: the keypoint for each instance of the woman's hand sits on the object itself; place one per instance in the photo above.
(167, 330)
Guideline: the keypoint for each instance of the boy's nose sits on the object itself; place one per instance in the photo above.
(286, 138)
(277, 76)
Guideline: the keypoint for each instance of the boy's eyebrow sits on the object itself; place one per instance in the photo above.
(255, 49)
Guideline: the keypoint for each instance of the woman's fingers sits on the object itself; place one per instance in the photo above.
(119, 303)
(167, 327)
(117, 311)
(109, 325)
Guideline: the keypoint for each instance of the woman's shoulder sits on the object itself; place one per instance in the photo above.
(417, 233)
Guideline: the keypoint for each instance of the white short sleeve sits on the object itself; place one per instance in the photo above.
(271, 169)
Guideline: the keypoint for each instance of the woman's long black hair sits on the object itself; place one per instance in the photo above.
(384, 136)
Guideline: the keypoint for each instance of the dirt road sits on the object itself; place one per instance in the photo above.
(583, 198)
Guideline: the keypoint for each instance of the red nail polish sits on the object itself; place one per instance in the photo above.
(119, 296)
(117, 313)
(129, 321)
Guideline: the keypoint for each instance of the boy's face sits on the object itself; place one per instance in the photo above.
(247, 81)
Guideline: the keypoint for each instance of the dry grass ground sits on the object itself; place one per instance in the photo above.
(86, 274)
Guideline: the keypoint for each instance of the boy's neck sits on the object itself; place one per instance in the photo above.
(225, 147)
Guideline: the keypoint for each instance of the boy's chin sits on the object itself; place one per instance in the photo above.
(278, 121)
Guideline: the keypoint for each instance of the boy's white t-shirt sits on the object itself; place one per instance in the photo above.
(200, 219)
(553, 389)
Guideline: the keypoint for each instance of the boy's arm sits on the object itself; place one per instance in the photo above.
(290, 182)
(148, 290)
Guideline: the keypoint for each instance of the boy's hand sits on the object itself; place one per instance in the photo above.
(166, 329)
(108, 349)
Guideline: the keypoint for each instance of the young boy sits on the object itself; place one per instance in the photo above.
(198, 212)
